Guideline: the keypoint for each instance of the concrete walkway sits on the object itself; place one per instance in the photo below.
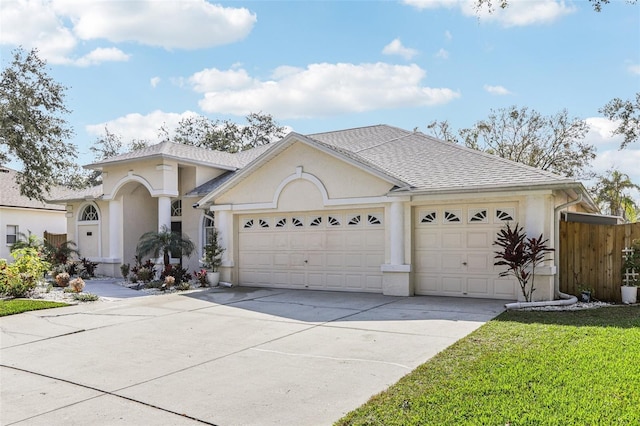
(237, 356)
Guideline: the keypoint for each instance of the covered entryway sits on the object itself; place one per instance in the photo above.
(454, 252)
(335, 250)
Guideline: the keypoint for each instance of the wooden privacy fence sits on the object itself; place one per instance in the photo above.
(591, 258)
(55, 239)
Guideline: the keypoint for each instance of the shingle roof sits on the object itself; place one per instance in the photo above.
(426, 163)
(10, 194)
(178, 151)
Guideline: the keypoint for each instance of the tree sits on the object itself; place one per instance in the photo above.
(612, 194)
(227, 136)
(166, 242)
(442, 130)
(33, 129)
(553, 143)
(628, 113)
(490, 5)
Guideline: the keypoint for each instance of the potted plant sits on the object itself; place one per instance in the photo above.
(631, 273)
(212, 258)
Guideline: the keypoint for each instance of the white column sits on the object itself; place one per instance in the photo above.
(396, 228)
(223, 223)
(164, 212)
(115, 229)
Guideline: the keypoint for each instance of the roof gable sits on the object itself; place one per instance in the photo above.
(10, 194)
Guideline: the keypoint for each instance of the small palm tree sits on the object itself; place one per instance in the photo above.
(166, 242)
(611, 192)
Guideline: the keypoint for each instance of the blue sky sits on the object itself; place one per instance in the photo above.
(320, 66)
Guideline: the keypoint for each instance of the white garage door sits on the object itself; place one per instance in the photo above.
(340, 250)
(454, 252)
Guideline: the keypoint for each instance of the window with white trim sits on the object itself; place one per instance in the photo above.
(374, 219)
(12, 234)
(316, 221)
(478, 216)
(505, 214)
(248, 224)
(297, 222)
(354, 220)
(428, 217)
(89, 213)
(264, 223)
(281, 223)
(333, 220)
(208, 224)
(452, 216)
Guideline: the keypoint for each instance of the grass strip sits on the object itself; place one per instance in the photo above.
(524, 368)
(18, 306)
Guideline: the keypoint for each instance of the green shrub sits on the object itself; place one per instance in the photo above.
(20, 277)
(85, 297)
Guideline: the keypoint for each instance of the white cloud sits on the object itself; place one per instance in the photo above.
(318, 90)
(609, 154)
(138, 126)
(169, 24)
(442, 54)
(100, 55)
(634, 69)
(448, 36)
(56, 27)
(212, 79)
(496, 90)
(396, 48)
(518, 13)
(154, 81)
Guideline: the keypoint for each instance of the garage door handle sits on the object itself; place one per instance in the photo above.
(464, 263)
(306, 261)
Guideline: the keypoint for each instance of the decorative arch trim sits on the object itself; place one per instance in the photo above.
(142, 181)
(299, 174)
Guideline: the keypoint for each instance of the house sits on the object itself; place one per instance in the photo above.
(373, 209)
(20, 215)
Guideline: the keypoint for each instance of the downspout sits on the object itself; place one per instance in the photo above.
(564, 299)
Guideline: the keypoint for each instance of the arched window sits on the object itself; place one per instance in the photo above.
(208, 224)
(176, 208)
(89, 213)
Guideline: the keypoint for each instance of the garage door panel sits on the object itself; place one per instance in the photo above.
(452, 285)
(452, 261)
(374, 282)
(330, 255)
(428, 261)
(427, 239)
(452, 239)
(335, 260)
(479, 239)
(455, 258)
(478, 286)
(479, 263)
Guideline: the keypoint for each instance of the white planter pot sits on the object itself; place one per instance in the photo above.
(213, 278)
(629, 294)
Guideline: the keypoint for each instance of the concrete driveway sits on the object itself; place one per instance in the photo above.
(237, 356)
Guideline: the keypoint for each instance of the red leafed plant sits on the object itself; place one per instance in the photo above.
(520, 255)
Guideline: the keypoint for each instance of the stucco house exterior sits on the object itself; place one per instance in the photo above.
(20, 215)
(373, 209)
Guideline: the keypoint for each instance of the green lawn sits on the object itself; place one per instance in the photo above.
(17, 306)
(524, 368)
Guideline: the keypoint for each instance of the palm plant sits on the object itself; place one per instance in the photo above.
(166, 242)
(611, 192)
(27, 241)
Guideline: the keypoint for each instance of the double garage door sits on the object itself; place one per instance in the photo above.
(337, 250)
(454, 251)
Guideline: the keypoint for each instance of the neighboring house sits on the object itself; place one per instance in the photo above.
(20, 215)
(374, 209)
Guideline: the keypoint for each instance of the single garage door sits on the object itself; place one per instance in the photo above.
(454, 252)
(338, 250)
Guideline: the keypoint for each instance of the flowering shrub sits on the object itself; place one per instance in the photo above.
(77, 284)
(201, 277)
(62, 279)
